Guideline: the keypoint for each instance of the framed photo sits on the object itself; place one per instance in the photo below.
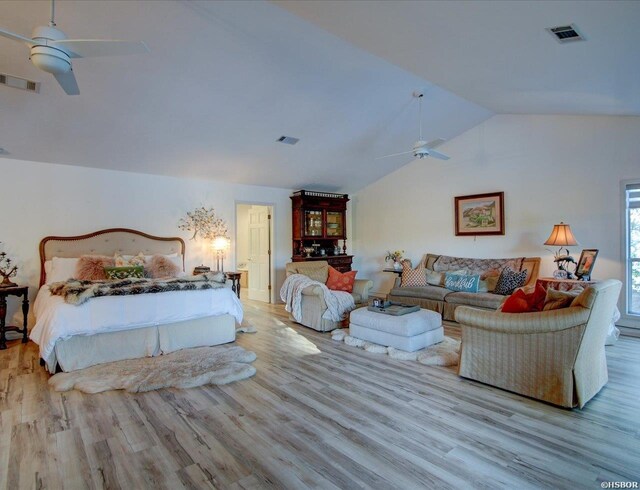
(480, 214)
(586, 263)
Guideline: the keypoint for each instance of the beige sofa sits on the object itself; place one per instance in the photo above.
(313, 304)
(445, 301)
(557, 356)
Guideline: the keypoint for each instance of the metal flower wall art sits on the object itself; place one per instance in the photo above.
(204, 223)
(7, 270)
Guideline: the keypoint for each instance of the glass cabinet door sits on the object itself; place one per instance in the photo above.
(335, 224)
(312, 223)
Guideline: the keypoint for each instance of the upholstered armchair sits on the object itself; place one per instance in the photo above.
(557, 356)
(313, 303)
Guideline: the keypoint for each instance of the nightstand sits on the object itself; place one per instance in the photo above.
(234, 277)
(20, 291)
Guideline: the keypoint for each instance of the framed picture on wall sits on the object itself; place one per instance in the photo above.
(480, 214)
(586, 263)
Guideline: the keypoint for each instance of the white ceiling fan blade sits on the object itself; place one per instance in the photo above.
(16, 37)
(85, 48)
(394, 155)
(435, 143)
(68, 83)
(438, 155)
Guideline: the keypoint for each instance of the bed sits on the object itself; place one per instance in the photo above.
(112, 328)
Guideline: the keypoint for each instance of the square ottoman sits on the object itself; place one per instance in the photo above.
(409, 332)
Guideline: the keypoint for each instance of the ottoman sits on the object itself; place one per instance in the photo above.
(409, 332)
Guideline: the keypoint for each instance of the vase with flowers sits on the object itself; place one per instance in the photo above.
(395, 257)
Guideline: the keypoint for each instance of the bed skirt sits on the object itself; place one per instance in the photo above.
(83, 351)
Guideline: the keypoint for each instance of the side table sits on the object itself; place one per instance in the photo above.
(563, 284)
(395, 271)
(13, 291)
(234, 277)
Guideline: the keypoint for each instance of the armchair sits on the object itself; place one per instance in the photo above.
(557, 355)
(313, 304)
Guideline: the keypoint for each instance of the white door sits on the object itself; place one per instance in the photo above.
(259, 251)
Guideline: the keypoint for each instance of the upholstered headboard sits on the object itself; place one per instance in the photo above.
(107, 242)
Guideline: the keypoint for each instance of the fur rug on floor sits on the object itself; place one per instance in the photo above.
(187, 368)
(445, 353)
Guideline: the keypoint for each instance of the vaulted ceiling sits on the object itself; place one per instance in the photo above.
(224, 80)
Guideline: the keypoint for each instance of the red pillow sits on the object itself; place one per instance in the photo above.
(341, 281)
(521, 302)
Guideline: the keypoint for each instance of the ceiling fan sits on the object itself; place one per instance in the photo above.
(422, 149)
(52, 52)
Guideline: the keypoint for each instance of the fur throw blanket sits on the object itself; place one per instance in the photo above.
(76, 292)
(339, 303)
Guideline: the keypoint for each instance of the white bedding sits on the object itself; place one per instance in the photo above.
(57, 320)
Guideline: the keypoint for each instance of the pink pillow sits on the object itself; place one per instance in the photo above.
(162, 267)
(91, 267)
(341, 281)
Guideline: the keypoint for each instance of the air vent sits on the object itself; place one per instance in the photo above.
(288, 140)
(21, 83)
(565, 34)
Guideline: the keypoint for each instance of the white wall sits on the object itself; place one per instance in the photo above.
(242, 232)
(39, 199)
(551, 169)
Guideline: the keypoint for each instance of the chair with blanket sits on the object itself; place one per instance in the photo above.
(557, 355)
(313, 303)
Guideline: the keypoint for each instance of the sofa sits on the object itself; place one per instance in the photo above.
(445, 301)
(313, 304)
(557, 356)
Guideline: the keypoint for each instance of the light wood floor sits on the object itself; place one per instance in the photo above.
(317, 414)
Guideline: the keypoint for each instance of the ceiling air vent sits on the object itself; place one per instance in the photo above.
(21, 83)
(565, 34)
(288, 140)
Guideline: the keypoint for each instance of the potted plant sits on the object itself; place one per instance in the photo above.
(395, 257)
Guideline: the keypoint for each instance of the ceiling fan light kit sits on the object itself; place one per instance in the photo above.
(422, 149)
(51, 51)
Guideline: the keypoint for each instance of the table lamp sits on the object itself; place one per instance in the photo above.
(562, 236)
(220, 244)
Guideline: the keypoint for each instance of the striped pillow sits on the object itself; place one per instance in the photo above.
(413, 277)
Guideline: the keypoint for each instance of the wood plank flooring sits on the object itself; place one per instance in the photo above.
(318, 414)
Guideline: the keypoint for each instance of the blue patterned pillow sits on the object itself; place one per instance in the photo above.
(509, 281)
(457, 282)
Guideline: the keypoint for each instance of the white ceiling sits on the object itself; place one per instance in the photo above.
(497, 53)
(225, 79)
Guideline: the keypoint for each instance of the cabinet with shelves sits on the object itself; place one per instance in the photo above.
(319, 228)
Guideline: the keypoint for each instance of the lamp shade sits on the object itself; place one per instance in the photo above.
(561, 236)
(220, 243)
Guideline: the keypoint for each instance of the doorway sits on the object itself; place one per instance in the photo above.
(254, 234)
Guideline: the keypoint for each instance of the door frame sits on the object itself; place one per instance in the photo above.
(272, 240)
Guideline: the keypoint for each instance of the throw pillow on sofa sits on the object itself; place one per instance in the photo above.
(509, 280)
(467, 283)
(555, 300)
(412, 277)
(437, 278)
(341, 281)
(522, 302)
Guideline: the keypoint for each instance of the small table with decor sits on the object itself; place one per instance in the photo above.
(563, 284)
(234, 277)
(20, 291)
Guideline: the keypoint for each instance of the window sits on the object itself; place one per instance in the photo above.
(632, 248)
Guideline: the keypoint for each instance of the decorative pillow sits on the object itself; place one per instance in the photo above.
(91, 267)
(521, 301)
(124, 272)
(487, 285)
(509, 280)
(341, 281)
(128, 260)
(462, 282)
(317, 272)
(60, 269)
(434, 278)
(555, 300)
(412, 277)
(160, 267)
